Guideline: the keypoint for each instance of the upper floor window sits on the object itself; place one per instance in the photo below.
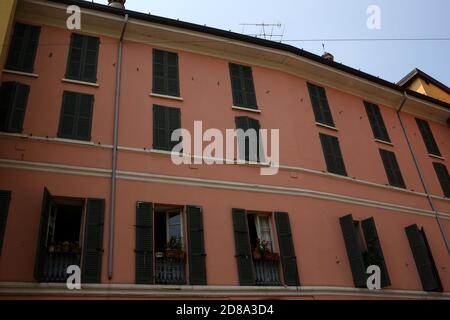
(5, 198)
(165, 73)
(165, 121)
(22, 51)
(13, 104)
(376, 122)
(319, 102)
(242, 86)
(428, 137)
(76, 116)
(83, 58)
(332, 154)
(444, 178)
(249, 140)
(392, 169)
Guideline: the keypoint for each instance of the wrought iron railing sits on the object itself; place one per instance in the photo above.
(267, 273)
(170, 270)
(56, 263)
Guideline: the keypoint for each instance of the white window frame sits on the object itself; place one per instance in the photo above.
(180, 212)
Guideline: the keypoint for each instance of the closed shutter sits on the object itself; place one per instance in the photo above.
(144, 243)
(393, 173)
(83, 58)
(423, 259)
(22, 52)
(242, 86)
(332, 154)
(165, 73)
(428, 137)
(197, 267)
(165, 121)
(354, 251)
(243, 251)
(174, 116)
(245, 123)
(443, 176)
(321, 108)
(376, 121)
(287, 251)
(7, 90)
(93, 241)
(13, 104)
(374, 250)
(5, 198)
(76, 116)
(42, 237)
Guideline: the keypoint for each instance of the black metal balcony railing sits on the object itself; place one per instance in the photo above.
(56, 263)
(267, 273)
(170, 271)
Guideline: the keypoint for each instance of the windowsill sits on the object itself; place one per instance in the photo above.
(436, 156)
(90, 84)
(246, 109)
(20, 73)
(163, 96)
(66, 140)
(385, 142)
(326, 126)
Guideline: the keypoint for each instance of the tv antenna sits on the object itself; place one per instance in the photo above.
(265, 30)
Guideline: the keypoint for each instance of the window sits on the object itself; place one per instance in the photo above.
(76, 116)
(242, 86)
(332, 154)
(165, 73)
(320, 105)
(444, 178)
(22, 51)
(363, 249)
(83, 58)
(5, 198)
(376, 122)
(392, 169)
(165, 121)
(428, 137)
(249, 140)
(260, 228)
(13, 103)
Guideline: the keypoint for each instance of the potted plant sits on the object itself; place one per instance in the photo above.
(263, 252)
(174, 248)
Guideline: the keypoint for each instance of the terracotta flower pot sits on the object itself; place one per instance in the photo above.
(173, 253)
(271, 256)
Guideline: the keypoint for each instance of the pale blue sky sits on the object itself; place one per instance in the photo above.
(334, 19)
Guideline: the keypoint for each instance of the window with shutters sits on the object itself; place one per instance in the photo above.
(242, 86)
(443, 177)
(23, 48)
(319, 101)
(13, 104)
(376, 122)
(392, 169)
(76, 116)
(83, 58)
(332, 153)
(5, 199)
(165, 121)
(428, 138)
(249, 140)
(363, 249)
(165, 73)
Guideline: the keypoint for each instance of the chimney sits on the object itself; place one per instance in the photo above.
(328, 56)
(120, 4)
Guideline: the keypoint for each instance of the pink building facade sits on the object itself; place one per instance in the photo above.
(140, 226)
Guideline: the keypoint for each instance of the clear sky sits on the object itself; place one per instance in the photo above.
(333, 19)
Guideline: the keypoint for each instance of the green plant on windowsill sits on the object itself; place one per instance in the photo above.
(263, 252)
(174, 248)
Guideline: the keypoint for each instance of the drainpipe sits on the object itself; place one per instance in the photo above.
(421, 176)
(114, 153)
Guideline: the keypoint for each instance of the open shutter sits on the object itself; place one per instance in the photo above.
(243, 251)
(5, 198)
(93, 241)
(374, 249)
(287, 251)
(354, 252)
(144, 243)
(42, 237)
(197, 267)
(423, 259)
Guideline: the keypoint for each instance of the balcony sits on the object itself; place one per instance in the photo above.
(56, 263)
(266, 272)
(170, 270)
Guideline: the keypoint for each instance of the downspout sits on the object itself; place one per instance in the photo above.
(114, 152)
(421, 176)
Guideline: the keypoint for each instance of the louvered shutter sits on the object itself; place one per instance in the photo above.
(23, 48)
(243, 123)
(41, 252)
(83, 58)
(173, 87)
(7, 94)
(144, 243)
(5, 198)
(428, 137)
(160, 130)
(287, 251)
(91, 50)
(174, 116)
(165, 73)
(392, 169)
(332, 154)
(443, 176)
(84, 117)
(242, 86)
(197, 266)
(243, 251)
(93, 241)
(18, 108)
(376, 121)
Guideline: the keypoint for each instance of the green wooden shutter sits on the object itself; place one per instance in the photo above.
(7, 94)
(76, 116)
(144, 243)
(91, 50)
(319, 102)
(443, 176)
(22, 52)
(242, 86)
(332, 153)
(374, 249)
(243, 251)
(173, 86)
(5, 198)
(84, 117)
(83, 58)
(18, 108)
(249, 87)
(197, 266)
(174, 117)
(354, 251)
(236, 85)
(93, 241)
(393, 172)
(423, 259)
(165, 73)
(160, 128)
(428, 137)
(243, 123)
(41, 251)
(287, 251)
(376, 121)
(74, 61)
